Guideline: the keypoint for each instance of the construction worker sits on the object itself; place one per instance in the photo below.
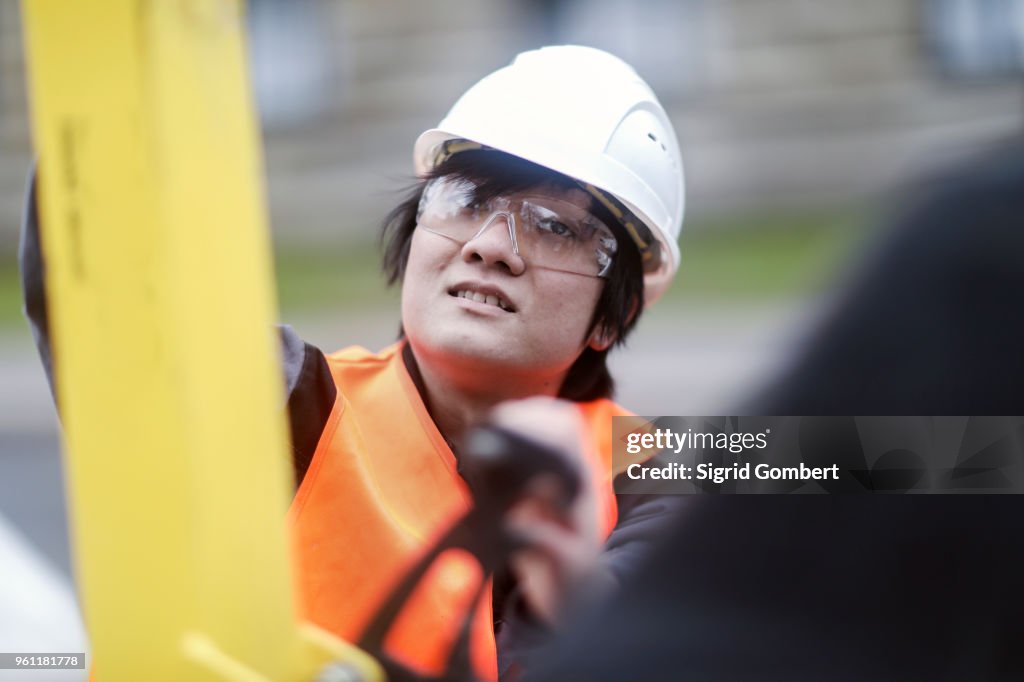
(544, 221)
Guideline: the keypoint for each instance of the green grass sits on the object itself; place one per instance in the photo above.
(767, 255)
(308, 279)
(738, 258)
(330, 276)
(10, 291)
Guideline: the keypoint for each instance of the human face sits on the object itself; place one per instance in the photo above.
(533, 321)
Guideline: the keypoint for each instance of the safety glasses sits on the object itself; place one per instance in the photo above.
(545, 232)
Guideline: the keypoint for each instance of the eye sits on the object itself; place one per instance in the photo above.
(462, 196)
(557, 228)
(467, 209)
(469, 203)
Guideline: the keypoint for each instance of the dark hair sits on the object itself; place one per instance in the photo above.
(495, 173)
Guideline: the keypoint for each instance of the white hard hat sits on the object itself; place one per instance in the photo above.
(585, 114)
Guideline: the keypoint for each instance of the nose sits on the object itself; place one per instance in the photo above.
(496, 245)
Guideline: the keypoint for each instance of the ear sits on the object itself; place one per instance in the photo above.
(600, 339)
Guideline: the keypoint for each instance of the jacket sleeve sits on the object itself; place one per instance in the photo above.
(642, 521)
(30, 261)
(310, 388)
(311, 396)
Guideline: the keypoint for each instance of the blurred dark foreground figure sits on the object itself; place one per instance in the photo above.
(934, 320)
(871, 587)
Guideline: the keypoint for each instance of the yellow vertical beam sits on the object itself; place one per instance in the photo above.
(159, 276)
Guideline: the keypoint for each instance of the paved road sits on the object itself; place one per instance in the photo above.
(38, 610)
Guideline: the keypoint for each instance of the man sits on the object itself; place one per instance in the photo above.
(545, 220)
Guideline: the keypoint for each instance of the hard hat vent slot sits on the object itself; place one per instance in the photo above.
(655, 139)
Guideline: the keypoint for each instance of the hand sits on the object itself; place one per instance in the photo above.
(562, 545)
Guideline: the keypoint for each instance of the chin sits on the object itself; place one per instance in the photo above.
(483, 355)
(486, 355)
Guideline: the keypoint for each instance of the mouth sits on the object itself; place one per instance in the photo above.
(482, 294)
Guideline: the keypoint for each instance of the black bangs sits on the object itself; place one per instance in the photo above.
(493, 174)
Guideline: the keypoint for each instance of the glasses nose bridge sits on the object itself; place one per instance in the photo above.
(510, 226)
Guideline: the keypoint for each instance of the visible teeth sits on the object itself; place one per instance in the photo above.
(489, 299)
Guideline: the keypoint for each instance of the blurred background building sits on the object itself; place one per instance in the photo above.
(794, 117)
(786, 102)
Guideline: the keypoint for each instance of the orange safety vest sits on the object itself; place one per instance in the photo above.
(381, 487)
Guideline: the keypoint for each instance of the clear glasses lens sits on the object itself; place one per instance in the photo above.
(545, 232)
